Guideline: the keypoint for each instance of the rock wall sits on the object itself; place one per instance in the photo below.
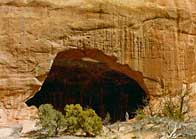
(155, 37)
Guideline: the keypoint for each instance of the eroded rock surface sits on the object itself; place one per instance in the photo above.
(157, 38)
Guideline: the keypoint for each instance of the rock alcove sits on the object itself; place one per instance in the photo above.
(92, 79)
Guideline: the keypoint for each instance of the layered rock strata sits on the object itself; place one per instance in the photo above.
(156, 38)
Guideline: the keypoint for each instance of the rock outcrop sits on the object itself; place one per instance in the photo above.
(154, 37)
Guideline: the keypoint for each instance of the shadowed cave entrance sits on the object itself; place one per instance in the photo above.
(91, 83)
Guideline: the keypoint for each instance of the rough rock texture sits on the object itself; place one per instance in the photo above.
(155, 37)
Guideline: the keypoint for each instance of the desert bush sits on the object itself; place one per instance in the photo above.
(107, 119)
(144, 112)
(53, 122)
(140, 114)
(86, 120)
(176, 108)
(73, 113)
(50, 120)
(173, 107)
(90, 122)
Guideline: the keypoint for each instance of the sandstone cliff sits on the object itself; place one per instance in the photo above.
(154, 37)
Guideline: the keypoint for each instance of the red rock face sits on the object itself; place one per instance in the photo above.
(156, 39)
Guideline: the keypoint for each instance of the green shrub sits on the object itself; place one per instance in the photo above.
(85, 120)
(107, 119)
(73, 113)
(178, 107)
(53, 122)
(172, 110)
(90, 122)
(50, 120)
(140, 114)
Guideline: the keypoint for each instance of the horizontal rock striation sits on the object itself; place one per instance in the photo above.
(154, 37)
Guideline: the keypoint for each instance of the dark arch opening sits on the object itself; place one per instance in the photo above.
(93, 84)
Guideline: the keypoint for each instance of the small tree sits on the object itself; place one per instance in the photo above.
(85, 120)
(72, 118)
(50, 120)
(90, 122)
